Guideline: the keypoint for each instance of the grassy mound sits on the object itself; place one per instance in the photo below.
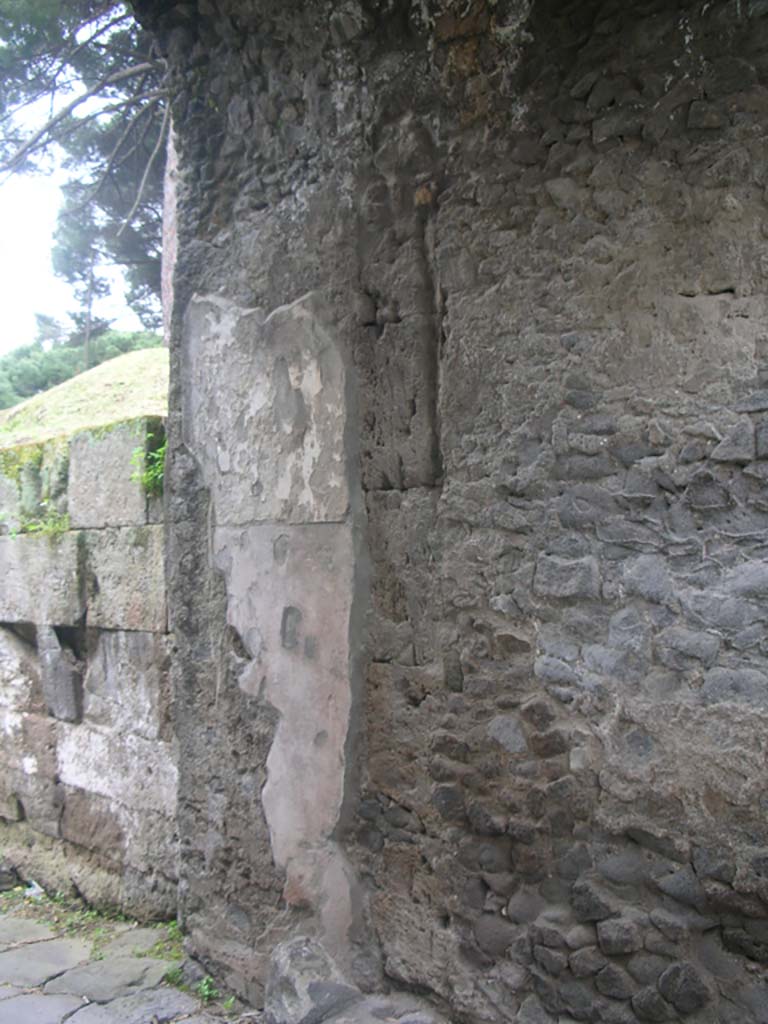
(132, 385)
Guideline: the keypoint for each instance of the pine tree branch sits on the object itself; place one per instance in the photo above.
(145, 176)
(15, 161)
(112, 160)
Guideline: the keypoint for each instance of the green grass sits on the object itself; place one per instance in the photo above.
(169, 943)
(65, 915)
(69, 916)
(132, 385)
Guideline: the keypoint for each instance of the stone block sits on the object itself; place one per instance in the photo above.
(61, 676)
(507, 731)
(126, 684)
(132, 771)
(566, 577)
(126, 578)
(737, 685)
(618, 936)
(682, 649)
(88, 821)
(648, 577)
(613, 981)
(304, 984)
(738, 445)
(101, 489)
(586, 962)
(682, 985)
(41, 578)
(19, 672)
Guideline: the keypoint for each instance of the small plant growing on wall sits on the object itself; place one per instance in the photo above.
(149, 466)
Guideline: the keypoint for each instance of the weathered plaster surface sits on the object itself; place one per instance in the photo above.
(264, 412)
(289, 590)
(265, 416)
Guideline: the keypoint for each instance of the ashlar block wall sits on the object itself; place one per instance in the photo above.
(87, 766)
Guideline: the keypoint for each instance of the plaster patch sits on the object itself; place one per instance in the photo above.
(291, 587)
(274, 450)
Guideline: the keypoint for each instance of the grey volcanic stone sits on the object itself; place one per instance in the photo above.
(684, 987)
(494, 934)
(110, 978)
(119, 599)
(164, 1004)
(649, 577)
(553, 961)
(304, 985)
(50, 958)
(738, 445)
(508, 732)
(648, 1004)
(742, 685)
(60, 675)
(618, 935)
(532, 1012)
(614, 981)
(680, 648)
(16, 931)
(38, 1009)
(561, 577)
(586, 961)
(684, 887)
(590, 902)
(645, 968)
(41, 579)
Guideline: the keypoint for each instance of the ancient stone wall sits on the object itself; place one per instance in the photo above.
(469, 462)
(87, 763)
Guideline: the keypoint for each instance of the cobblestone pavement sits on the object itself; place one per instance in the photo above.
(49, 979)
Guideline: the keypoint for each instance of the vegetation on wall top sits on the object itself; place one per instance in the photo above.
(130, 386)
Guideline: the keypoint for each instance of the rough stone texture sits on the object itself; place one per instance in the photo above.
(536, 237)
(33, 482)
(304, 984)
(102, 490)
(60, 677)
(120, 599)
(87, 765)
(41, 577)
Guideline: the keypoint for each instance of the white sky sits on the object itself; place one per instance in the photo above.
(28, 208)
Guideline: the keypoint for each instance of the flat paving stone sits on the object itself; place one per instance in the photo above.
(37, 1009)
(17, 930)
(134, 940)
(163, 1004)
(110, 978)
(204, 1018)
(29, 967)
